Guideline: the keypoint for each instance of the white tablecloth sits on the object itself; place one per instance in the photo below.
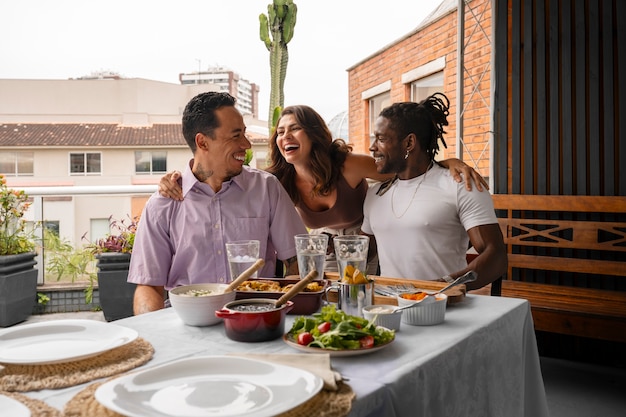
(482, 361)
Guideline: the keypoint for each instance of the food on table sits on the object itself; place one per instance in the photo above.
(311, 287)
(352, 275)
(381, 310)
(255, 307)
(416, 296)
(274, 286)
(335, 330)
(196, 293)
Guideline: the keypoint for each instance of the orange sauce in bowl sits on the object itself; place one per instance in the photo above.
(417, 296)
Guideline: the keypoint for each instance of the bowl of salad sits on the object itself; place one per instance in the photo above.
(196, 304)
(334, 332)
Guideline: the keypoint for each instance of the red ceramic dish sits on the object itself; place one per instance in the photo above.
(305, 303)
(254, 326)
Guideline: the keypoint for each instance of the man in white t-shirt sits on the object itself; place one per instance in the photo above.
(422, 220)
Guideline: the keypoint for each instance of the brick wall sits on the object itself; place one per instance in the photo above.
(428, 43)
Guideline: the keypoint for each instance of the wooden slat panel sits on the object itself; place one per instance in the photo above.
(528, 102)
(540, 106)
(582, 266)
(589, 204)
(584, 235)
(501, 97)
(553, 97)
(581, 312)
(580, 98)
(607, 139)
(566, 65)
(593, 81)
(620, 118)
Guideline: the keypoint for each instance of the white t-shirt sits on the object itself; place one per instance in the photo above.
(425, 236)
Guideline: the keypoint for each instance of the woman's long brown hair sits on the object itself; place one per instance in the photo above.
(326, 159)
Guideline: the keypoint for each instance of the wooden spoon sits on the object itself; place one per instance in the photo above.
(297, 287)
(245, 275)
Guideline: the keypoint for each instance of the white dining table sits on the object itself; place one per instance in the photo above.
(481, 361)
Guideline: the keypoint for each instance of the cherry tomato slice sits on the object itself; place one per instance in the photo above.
(367, 342)
(305, 338)
(324, 327)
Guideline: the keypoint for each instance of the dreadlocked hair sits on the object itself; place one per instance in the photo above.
(425, 119)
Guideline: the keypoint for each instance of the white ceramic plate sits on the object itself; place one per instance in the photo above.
(13, 408)
(210, 386)
(61, 341)
(331, 352)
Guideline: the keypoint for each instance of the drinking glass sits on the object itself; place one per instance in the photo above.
(311, 252)
(351, 250)
(242, 254)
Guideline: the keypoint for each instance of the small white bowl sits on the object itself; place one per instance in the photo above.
(426, 315)
(200, 310)
(383, 315)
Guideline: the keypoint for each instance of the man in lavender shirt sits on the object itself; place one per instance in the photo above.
(183, 242)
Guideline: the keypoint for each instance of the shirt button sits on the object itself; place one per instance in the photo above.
(222, 280)
(217, 226)
(219, 252)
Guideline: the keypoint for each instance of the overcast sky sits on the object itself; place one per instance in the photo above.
(158, 39)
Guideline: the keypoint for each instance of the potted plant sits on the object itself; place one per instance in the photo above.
(18, 276)
(113, 259)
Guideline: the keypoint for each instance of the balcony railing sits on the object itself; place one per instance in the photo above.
(39, 193)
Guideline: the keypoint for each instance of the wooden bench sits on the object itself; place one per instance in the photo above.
(567, 256)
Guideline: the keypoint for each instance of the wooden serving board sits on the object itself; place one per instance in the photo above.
(455, 295)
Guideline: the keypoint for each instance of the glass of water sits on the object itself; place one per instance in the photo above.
(311, 252)
(242, 254)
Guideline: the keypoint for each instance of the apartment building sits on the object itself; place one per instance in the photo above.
(96, 132)
(246, 92)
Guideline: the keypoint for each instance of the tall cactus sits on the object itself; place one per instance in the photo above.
(280, 22)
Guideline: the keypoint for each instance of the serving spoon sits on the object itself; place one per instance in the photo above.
(431, 296)
(297, 287)
(469, 276)
(245, 275)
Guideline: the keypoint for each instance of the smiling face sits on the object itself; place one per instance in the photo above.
(292, 141)
(221, 157)
(388, 151)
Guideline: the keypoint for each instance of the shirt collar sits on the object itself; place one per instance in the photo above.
(190, 180)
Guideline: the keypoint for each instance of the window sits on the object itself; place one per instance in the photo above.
(150, 162)
(376, 105)
(53, 226)
(85, 163)
(17, 164)
(427, 86)
(98, 229)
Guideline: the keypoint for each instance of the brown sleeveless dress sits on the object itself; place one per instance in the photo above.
(346, 213)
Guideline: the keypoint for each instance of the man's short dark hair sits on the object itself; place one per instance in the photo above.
(199, 115)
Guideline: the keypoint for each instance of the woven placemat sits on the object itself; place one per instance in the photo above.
(325, 404)
(22, 378)
(37, 408)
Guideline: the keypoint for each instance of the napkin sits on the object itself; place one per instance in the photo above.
(316, 363)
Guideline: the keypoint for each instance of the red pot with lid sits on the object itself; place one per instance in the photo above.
(254, 320)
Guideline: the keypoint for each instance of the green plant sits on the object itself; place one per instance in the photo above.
(67, 262)
(42, 299)
(121, 239)
(14, 238)
(280, 22)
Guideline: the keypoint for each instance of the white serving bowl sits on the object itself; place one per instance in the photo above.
(383, 315)
(424, 315)
(200, 310)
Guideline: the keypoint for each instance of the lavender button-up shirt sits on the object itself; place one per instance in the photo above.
(183, 242)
